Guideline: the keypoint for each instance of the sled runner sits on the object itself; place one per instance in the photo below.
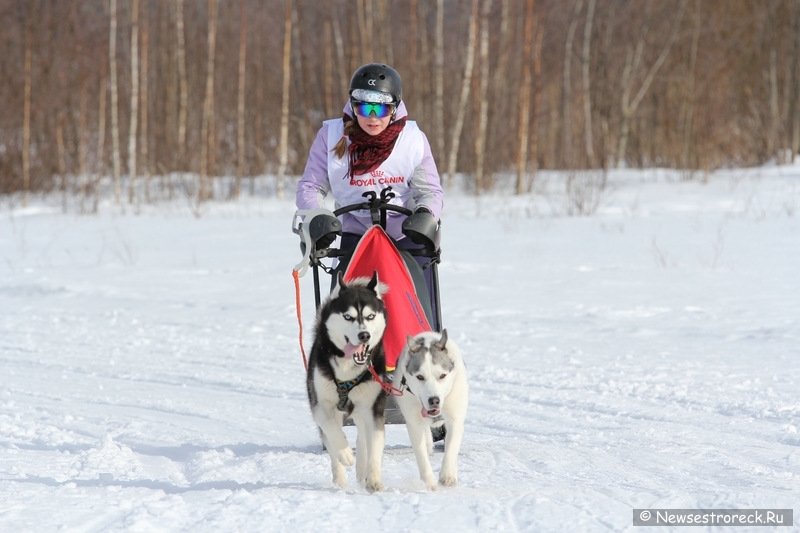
(411, 306)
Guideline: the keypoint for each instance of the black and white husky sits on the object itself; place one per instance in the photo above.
(347, 342)
(433, 378)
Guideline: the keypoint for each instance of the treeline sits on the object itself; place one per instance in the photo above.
(114, 89)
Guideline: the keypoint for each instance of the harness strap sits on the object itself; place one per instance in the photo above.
(344, 388)
(385, 385)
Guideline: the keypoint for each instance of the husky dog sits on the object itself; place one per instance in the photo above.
(347, 342)
(433, 378)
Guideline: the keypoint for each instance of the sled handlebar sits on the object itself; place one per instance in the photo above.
(367, 206)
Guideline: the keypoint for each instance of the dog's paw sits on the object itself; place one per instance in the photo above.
(340, 481)
(374, 486)
(448, 480)
(431, 484)
(346, 456)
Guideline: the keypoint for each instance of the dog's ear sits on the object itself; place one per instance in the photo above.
(443, 341)
(413, 345)
(340, 279)
(373, 282)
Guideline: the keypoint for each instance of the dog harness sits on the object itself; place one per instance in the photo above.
(344, 388)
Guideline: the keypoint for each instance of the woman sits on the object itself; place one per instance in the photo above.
(372, 147)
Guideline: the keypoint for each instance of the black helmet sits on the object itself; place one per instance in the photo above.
(378, 77)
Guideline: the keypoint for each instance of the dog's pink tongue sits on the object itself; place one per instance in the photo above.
(424, 413)
(356, 352)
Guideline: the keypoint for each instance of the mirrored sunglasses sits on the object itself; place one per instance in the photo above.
(366, 109)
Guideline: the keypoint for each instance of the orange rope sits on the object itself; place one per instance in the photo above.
(299, 316)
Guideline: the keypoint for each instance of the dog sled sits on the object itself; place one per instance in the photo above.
(412, 304)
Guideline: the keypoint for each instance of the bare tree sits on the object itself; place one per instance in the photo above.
(438, 77)
(795, 94)
(26, 124)
(566, 91)
(774, 117)
(112, 55)
(240, 103)
(206, 135)
(587, 93)
(465, 86)
(690, 97)
(283, 147)
(145, 80)
(101, 135)
(134, 123)
(483, 114)
(184, 98)
(525, 97)
(633, 60)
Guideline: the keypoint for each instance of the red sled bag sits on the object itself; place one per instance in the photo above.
(376, 251)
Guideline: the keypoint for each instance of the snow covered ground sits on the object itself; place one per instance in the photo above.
(645, 356)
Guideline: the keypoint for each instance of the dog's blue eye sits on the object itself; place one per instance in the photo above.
(421, 377)
(371, 317)
(347, 317)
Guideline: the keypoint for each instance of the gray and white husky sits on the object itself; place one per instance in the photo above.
(348, 339)
(433, 378)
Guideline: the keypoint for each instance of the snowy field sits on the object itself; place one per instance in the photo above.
(644, 356)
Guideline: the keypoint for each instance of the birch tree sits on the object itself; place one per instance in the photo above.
(632, 63)
(134, 98)
(283, 147)
(566, 87)
(206, 135)
(690, 96)
(586, 57)
(112, 56)
(26, 120)
(240, 101)
(182, 83)
(438, 77)
(525, 97)
(462, 103)
(144, 95)
(480, 139)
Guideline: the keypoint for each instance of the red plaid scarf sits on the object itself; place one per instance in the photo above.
(367, 152)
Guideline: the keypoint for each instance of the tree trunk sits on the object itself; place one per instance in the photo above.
(183, 85)
(82, 144)
(480, 139)
(566, 95)
(629, 107)
(329, 68)
(587, 95)
(26, 121)
(145, 106)
(500, 96)
(465, 86)
(101, 137)
(796, 86)
(132, 152)
(340, 56)
(62, 159)
(240, 103)
(537, 97)
(525, 98)
(774, 116)
(112, 56)
(283, 147)
(206, 134)
(688, 122)
(438, 77)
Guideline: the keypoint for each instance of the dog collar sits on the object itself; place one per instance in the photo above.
(344, 388)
